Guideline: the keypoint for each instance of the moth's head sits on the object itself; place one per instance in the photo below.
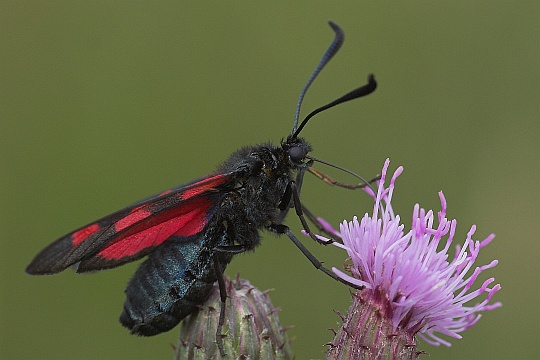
(296, 149)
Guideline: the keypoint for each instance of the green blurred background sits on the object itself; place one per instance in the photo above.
(104, 103)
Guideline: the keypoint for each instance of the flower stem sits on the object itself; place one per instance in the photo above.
(367, 333)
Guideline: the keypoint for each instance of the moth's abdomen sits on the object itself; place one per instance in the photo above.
(168, 286)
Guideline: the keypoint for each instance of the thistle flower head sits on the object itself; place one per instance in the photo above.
(409, 276)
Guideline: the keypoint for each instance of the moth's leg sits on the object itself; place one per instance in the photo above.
(218, 269)
(284, 229)
(300, 214)
(223, 295)
(327, 179)
(320, 227)
(232, 249)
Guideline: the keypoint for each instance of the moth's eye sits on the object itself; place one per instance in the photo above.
(297, 154)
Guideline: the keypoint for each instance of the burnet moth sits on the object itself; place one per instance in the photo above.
(191, 232)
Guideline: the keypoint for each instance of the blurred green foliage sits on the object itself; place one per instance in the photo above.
(103, 103)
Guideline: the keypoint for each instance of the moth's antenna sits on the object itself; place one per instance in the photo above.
(355, 94)
(330, 52)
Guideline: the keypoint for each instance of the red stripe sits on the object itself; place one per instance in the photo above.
(205, 185)
(80, 235)
(181, 220)
(136, 215)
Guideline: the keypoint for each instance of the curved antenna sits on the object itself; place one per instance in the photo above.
(329, 53)
(355, 94)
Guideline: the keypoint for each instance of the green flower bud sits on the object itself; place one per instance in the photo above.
(251, 329)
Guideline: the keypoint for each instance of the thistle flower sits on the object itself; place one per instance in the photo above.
(251, 330)
(410, 287)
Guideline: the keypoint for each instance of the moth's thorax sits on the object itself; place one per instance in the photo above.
(264, 171)
(268, 159)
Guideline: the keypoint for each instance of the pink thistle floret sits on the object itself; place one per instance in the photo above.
(424, 291)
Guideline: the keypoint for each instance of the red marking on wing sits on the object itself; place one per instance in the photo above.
(79, 236)
(193, 222)
(183, 220)
(136, 215)
(205, 185)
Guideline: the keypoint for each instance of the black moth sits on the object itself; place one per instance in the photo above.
(190, 233)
